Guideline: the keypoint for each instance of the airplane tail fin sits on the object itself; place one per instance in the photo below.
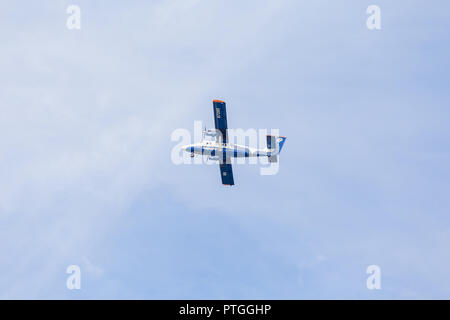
(275, 143)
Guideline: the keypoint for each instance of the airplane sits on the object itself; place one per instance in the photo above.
(221, 150)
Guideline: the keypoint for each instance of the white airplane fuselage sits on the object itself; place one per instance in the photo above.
(215, 149)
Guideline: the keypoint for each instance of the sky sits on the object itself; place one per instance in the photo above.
(86, 176)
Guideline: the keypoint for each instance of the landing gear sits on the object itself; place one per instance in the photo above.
(192, 154)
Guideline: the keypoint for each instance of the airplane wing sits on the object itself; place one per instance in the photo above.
(226, 173)
(220, 119)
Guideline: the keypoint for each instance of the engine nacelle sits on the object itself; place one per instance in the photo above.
(210, 132)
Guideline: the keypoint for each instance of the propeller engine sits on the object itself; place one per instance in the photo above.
(210, 132)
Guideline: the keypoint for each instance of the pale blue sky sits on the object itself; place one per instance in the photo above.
(86, 176)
